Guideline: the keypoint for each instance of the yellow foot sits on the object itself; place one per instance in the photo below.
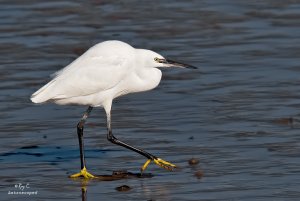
(83, 173)
(145, 165)
(164, 164)
(160, 162)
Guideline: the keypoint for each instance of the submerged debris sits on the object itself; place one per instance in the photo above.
(199, 174)
(119, 172)
(285, 121)
(193, 161)
(123, 188)
(118, 175)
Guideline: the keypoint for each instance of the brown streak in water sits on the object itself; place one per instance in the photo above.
(118, 175)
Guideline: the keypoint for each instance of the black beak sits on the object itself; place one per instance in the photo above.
(179, 64)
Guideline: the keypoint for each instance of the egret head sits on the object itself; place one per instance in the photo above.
(153, 59)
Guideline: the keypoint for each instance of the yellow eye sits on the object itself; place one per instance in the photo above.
(156, 59)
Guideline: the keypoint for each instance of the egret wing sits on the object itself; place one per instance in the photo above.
(89, 75)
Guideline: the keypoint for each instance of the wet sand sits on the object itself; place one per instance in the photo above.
(238, 115)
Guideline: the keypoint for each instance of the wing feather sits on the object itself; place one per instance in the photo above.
(89, 75)
(100, 68)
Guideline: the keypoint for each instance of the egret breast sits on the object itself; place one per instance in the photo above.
(139, 81)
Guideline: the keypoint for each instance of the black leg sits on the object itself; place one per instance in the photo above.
(114, 140)
(80, 126)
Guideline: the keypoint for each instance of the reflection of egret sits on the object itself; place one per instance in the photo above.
(84, 191)
(106, 71)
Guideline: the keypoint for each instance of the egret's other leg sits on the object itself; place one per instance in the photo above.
(158, 161)
(83, 172)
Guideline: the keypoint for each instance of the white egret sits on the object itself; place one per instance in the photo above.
(106, 71)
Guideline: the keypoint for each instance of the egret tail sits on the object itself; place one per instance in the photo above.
(43, 94)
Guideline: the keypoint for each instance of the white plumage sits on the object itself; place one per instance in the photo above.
(106, 71)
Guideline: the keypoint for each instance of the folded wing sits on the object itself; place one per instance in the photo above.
(87, 75)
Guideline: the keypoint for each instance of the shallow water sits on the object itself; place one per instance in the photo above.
(238, 114)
